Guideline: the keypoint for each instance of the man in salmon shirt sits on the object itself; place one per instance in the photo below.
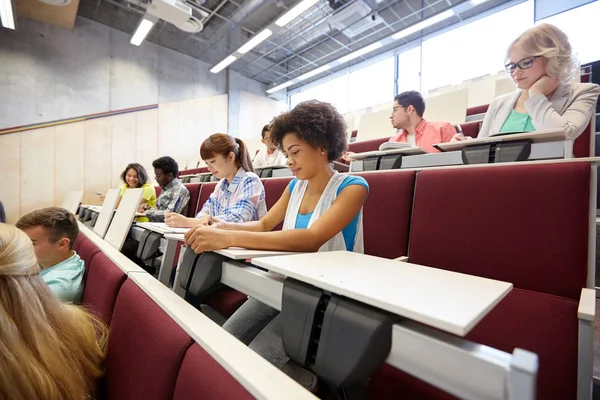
(407, 117)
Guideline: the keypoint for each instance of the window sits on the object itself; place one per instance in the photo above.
(577, 24)
(371, 85)
(409, 70)
(473, 50)
(334, 91)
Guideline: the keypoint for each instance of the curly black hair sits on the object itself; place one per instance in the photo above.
(167, 164)
(317, 123)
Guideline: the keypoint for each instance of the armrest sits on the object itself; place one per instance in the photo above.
(401, 259)
(587, 305)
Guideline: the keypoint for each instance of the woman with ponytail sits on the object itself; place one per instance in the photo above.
(48, 350)
(239, 196)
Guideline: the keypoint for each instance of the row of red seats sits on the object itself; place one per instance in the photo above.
(149, 355)
(581, 147)
(526, 224)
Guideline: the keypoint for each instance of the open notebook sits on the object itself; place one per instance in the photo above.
(163, 227)
(394, 146)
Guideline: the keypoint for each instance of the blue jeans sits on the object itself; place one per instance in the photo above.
(248, 320)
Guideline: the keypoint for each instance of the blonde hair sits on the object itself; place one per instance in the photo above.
(48, 350)
(553, 44)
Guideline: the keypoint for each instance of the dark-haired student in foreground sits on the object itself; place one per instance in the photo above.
(321, 210)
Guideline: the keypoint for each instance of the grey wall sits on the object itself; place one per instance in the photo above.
(49, 73)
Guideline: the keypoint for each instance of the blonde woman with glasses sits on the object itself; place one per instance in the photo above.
(48, 350)
(546, 73)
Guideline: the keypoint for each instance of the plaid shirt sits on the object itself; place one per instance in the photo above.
(173, 194)
(241, 200)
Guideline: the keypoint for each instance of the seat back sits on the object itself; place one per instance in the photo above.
(583, 146)
(367, 145)
(201, 377)
(471, 128)
(193, 171)
(80, 239)
(103, 282)
(194, 189)
(524, 224)
(478, 109)
(145, 348)
(274, 188)
(87, 251)
(205, 192)
(158, 190)
(387, 212)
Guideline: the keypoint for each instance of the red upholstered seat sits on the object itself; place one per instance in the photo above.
(471, 128)
(387, 212)
(158, 190)
(145, 348)
(104, 279)
(193, 171)
(274, 188)
(194, 189)
(87, 251)
(367, 145)
(80, 238)
(201, 377)
(478, 109)
(205, 191)
(525, 224)
(582, 145)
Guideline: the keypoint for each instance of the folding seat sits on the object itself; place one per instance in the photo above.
(145, 349)
(201, 377)
(104, 279)
(524, 224)
(194, 189)
(387, 212)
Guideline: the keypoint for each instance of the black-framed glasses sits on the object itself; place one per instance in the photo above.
(525, 63)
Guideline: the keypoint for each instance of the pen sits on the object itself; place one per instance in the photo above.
(176, 204)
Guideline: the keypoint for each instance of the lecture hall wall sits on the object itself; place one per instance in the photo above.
(51, 73)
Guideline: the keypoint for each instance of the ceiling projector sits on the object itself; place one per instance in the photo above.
(176, 13)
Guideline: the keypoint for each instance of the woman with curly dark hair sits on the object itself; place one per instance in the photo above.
(321, 210)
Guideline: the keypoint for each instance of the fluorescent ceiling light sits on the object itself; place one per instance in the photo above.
(294, 12)
(314, 72)
(477, 2)
(423, 24)
(360, 52)
(223, 64)
(6, 14)
(252, 43)
(141, 32)
(282, 86)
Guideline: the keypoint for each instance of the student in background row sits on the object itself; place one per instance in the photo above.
(239, 196)
(2, 214)
(136, 177)
(49, 350)
(174, 196)
(407, 116)
(270, 154)
(53, 232)
(541, 63)
(321, 210)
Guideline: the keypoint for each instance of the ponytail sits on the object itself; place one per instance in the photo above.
(224, 144)
(242, 156)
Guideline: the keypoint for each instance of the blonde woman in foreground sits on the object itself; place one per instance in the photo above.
(543, 67)
(48, 350)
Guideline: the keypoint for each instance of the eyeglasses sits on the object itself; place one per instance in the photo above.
(525, 63)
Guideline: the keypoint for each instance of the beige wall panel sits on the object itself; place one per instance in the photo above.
(37, 169)
(219, 113)
(168, 125)
(123, 145)
(98, 158)
(10, 165)
(68, 159)
(257, 112)
(187, 134)
(147, 140)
